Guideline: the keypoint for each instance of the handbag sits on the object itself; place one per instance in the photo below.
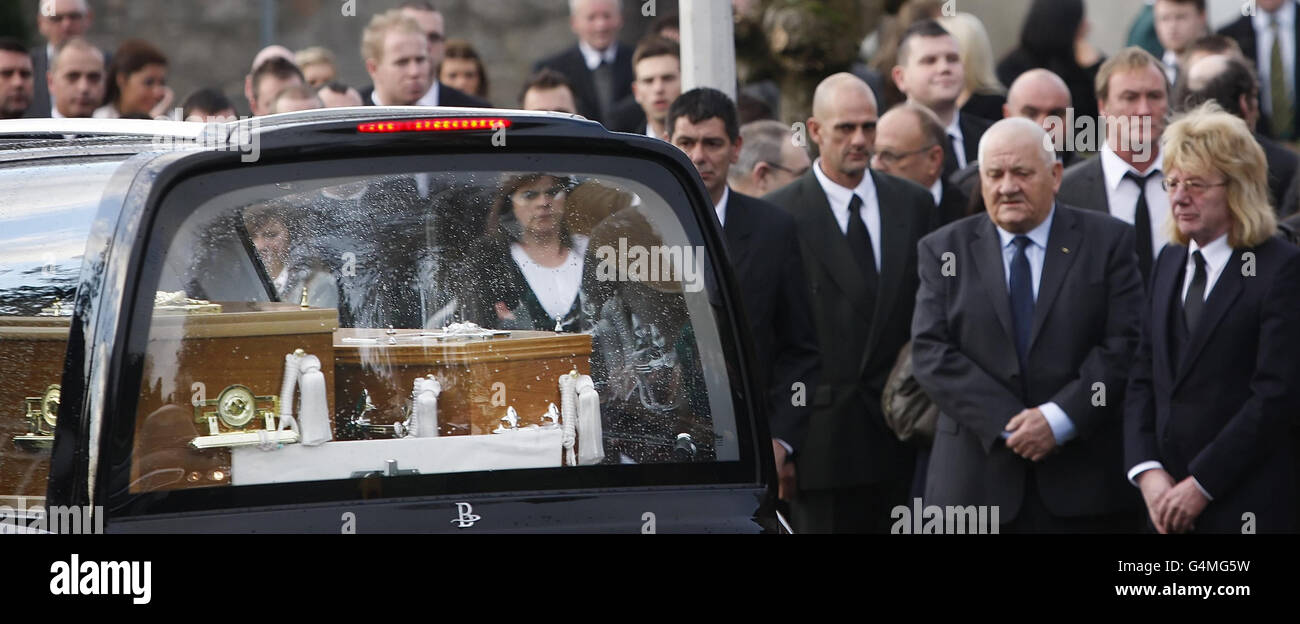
(909, 413)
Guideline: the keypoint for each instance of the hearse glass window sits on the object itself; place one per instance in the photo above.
(46, 214)
(429, 323)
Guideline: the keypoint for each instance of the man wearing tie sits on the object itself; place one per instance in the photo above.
(1124, 179)
(857, 231)
(598, 68)
(1210, 417)
(1025, 323)
(1268, 38)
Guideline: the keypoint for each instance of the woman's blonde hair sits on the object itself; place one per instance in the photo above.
(976, 52)
(1206, 140)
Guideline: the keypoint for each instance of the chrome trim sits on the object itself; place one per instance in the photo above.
(117, 127)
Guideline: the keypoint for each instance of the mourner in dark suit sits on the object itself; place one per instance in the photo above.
(1038, 95)
(1210, 415)
(1255, 34)
(1230, 82)
(857, 231)
(397, 58)
(658, 69)
(1124, 179)
(1025, 324)
(930, 73)
(909, 144)
(65, 20)
(599, 68)
(764, 254)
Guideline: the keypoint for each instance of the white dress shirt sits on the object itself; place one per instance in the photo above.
(839, 197)
(1286, 17)
(936, 191)
(1170, 59)
(1122, 194)
(721, 208)
(430, 98)
(958, 140)
(592, 57)
(650, 130)
(1036, 252)
(1216, 255)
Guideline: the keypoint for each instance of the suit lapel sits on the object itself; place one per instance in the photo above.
(827, 244)
(986, 254)
(1063, 246)
(1098, 186)
(738, 229)
(1164, 291)
(893, 255)
(1216, 305)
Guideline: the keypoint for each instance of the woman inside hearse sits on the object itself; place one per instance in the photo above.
(526, 271)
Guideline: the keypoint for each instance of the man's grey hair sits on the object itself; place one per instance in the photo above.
(761, 141)
(1019, 126)
(573, 6)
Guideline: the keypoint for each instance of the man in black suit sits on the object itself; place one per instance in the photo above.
(67, 19)
(1268, 38)
(1124, 179)
(396, 51)
(930, 73)
(1230, 82)
(1025, 323)
(909, 144)
(1210, 418)
(858, 231)
(15, 78)
(764, 253)
(658, 68)
(1039, 95)
(599, 69)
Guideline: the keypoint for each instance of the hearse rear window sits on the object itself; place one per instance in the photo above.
(396, 325)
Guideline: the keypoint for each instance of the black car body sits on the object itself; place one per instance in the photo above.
(396, 200)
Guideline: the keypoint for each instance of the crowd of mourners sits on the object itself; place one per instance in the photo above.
(1092, 333)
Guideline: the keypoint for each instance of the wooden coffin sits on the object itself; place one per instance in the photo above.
(480, 377)
(32, 353)
(195, 357)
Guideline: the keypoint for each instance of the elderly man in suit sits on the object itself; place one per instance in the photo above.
(858, 231)
(1268, 37)
(1025, 324)
(1210, 418)
(598, 68)
(1124, 179)
(58, 21)
(764, 253)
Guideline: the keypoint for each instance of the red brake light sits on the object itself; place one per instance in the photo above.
(435, 125)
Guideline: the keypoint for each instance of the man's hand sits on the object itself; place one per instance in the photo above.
(1154, 484)
(784, 472)
(1181, 506)
(1031, 436)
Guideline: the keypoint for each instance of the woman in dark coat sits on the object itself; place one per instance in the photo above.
(526, 272)
(1055, 37)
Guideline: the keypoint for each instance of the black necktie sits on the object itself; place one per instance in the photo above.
(1194, 302)
(950, 157)
(1142, 221)
(603, 79)
(860, 243)
(1022, 300)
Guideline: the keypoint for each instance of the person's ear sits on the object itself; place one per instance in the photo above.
(735, 150)
(897, 74)
(814, 130)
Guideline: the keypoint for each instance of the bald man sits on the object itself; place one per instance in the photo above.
(58, 22)
(858, 231)
(1042, 97)
(1025, 325)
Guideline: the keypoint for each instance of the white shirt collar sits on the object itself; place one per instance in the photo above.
(1113, 167)
(1170, 60)
(593, 57)
(842, 195)
(1216, 253)
(936, 190)
(55, 114)
(1037, 236)
(954, 128)
(721, 208)
(650, 130)
(1285, 17)
(430, 98)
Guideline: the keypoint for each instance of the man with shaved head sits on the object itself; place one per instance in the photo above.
(909, 144)
(1025, 324)
(858, 231)
(1042, 97)
(59, 21)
